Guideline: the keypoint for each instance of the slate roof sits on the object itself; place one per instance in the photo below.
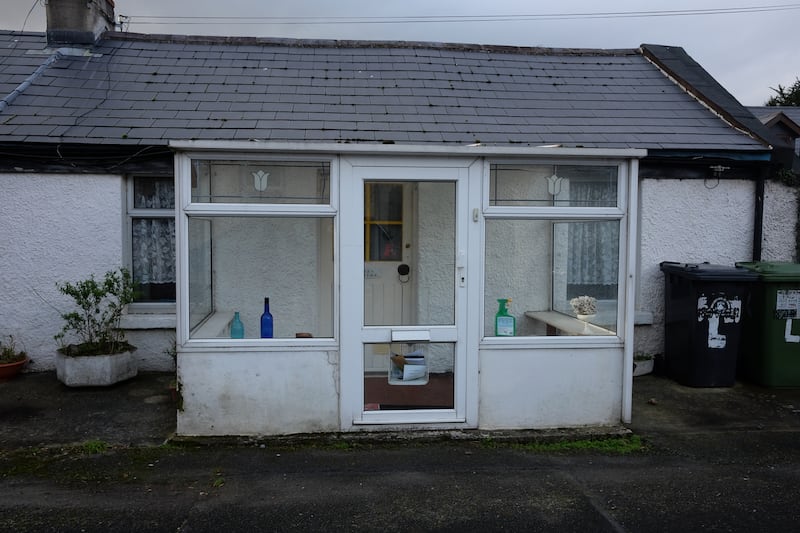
(768, 114)
(784, 122)
(20, 55)
(147, 90)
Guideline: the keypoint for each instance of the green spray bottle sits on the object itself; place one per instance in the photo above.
(505, 325)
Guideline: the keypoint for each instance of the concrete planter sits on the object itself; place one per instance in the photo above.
(643, 367)
(95, 370)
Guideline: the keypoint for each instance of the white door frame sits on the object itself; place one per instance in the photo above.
(467, 175)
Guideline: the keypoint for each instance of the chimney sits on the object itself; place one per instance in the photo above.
(78, 22)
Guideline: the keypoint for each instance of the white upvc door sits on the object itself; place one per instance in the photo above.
(409, 249)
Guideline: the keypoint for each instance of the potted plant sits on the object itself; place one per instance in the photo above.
(102, 356)
(585, 307)
(12, 359)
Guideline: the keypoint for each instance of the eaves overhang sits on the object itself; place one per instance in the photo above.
(699, 164)
(479, 150)
(693, 155)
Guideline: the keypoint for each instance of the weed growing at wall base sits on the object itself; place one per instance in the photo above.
(610, 445)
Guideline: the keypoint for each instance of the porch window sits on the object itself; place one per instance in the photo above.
(553, 185)
(260, 229)
(151, 219)
(261, 182)
(553, 235)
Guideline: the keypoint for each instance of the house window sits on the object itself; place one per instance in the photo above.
(552, 235)
(151, 218)
(260, 229)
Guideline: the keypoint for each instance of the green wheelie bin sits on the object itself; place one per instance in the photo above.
(771, 354)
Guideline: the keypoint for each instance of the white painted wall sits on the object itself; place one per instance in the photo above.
(258, 392)
(435, 276)
(688, 221)
(255, 258)
(550, 387)
(434, 279)
(524, 277)
(50, 233)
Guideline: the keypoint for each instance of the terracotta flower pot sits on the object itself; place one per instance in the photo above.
(9, 370)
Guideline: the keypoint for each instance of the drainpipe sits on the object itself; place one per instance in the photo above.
(630, 290)
(758, 219)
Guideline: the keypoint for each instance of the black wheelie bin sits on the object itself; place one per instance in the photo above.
(705, 309)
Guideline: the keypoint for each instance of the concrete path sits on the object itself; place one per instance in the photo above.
(95, 460)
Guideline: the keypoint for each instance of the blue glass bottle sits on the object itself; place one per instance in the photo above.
(266, 321)
(237, 328)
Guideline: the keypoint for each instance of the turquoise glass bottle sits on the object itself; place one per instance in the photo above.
(237, 328)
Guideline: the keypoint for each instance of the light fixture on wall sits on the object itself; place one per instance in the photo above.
(260, 180)
(717, 170)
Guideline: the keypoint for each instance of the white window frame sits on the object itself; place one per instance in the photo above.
(620, 212)
(186, 208)
(131, 212)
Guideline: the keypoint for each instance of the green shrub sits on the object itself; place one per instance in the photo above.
(95, 322)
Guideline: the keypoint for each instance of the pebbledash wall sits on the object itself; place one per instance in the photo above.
(63, 227)
(780, 223)
(56, 228)
(691, 221)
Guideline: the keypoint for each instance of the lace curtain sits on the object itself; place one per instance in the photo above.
(154, 250)
(593, 246)
(153, 239)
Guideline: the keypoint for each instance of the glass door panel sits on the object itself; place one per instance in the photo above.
(409, 248)
(409, 280)
(409, 376)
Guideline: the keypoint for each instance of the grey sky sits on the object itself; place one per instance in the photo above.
(746, 52)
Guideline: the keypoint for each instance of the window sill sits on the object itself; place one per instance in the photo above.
(556, 321)
(148, 321)
(216, 326)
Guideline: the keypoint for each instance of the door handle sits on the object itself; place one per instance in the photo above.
(461, 262)
(403, 271)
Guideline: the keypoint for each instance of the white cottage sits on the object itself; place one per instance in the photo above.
(389, 199)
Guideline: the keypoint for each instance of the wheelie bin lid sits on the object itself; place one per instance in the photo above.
(773, 270)
(708, 271)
